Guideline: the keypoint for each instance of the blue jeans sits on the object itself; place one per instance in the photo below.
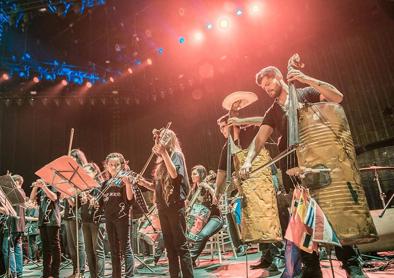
(15, 253)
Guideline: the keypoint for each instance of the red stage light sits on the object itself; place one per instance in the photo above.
(149, 61)
(5, 76)
(36, 79)
(89, 85)
(130, 70)
(64, 82)
(111, 79)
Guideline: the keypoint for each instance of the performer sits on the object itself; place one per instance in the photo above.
(117, 204)
(244, 130)
(270, 79)
(171, 186)
(91, 229)
(12, 241)
(49, 223)
(204, 194)
(221, 179)
(33, 236)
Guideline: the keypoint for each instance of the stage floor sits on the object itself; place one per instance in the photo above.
(208, 268)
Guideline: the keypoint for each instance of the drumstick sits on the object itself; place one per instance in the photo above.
(71, 141)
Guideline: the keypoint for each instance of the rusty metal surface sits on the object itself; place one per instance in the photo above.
(325, 138)
(260, 218)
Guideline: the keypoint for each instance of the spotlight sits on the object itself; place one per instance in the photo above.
(198, 36)
(224, 23)
(255, 8)
(239, 12)
(89, 85)
(137, 62)
(130, 70)
(5, 76)
(111, 79)
(64, 82)
(36, 79)
(33, 93)
(149, 61)
(160, 50)
(181, 40)
(209, 26)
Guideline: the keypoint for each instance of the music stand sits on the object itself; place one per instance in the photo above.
(9, 196)
(70, 179)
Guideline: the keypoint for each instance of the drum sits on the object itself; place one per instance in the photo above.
(260, 217)
(326, 143)
(150, 230)
(196, 220)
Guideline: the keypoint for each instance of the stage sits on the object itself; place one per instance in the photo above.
(230, 267)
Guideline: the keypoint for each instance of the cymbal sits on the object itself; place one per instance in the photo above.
(373, 168)
(238, 100)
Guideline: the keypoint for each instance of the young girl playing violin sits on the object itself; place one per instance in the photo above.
(171, 186)
(117, 203)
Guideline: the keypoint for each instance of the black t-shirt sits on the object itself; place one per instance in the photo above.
(116, 205)
(49, 211)
(180, 183)
(276, 118)
(69, 211)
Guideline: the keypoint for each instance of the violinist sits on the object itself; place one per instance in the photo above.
(271, 80)
(203, 193)
(117, 204)
(93, 232)
(171, 186)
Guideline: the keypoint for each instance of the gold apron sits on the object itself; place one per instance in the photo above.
(325, 139)
(260, 218)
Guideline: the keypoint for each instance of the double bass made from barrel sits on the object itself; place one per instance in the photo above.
(326, 142)
(321, 136)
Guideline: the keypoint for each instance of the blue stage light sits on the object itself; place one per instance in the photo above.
(181, 40)
(160, 50)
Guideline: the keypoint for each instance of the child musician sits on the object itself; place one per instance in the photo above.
(117, 203)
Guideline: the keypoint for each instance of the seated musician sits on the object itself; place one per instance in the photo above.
(202, 193)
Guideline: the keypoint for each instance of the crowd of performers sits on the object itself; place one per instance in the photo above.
(105, 212)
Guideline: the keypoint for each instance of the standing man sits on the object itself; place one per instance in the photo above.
(270, 79)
